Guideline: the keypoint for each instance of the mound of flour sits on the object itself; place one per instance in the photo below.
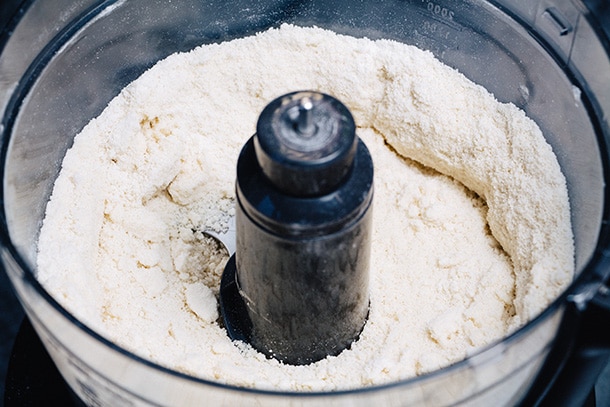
(471, 237)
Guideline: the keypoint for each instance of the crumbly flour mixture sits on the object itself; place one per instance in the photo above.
(472, 233)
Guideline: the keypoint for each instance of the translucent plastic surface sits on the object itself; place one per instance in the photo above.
(66, 60)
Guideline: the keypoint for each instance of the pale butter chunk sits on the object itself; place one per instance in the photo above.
(471, 238)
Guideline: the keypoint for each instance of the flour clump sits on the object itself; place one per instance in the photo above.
(471, 229)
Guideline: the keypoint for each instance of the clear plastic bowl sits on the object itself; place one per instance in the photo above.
(65, 60)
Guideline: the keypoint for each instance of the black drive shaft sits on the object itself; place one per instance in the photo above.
(297, 287)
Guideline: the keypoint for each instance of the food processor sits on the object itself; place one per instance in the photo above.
(64, 60)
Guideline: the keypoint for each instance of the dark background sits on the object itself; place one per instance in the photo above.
(11, 313)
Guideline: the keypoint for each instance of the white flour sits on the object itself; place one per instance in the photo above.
(458, 260)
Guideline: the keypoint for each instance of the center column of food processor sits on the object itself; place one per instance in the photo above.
(297, 287)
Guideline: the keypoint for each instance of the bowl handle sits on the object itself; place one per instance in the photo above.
(581, 349)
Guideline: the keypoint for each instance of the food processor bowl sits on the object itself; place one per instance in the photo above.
(64, 60)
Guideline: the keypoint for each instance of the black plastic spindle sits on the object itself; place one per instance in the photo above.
(297, 286)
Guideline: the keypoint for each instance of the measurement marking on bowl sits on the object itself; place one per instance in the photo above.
(440, 13)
